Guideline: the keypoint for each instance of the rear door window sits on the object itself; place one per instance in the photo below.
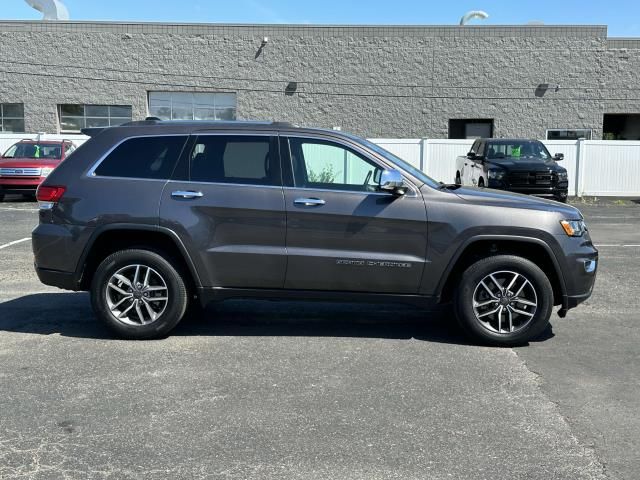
(246, 160)
(143, 157)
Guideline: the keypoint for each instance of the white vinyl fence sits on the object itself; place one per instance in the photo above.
(609, 168)
(595, 167)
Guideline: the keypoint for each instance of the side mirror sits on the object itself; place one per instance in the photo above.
(471, 155)
(558, 157)
(392, 181)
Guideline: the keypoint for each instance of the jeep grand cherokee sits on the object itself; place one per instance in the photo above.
(153, 216)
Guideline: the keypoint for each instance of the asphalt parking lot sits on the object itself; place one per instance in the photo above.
(287, 390)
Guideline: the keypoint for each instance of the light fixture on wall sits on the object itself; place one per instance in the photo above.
(263, 44)
(543, 88)
(291, 88)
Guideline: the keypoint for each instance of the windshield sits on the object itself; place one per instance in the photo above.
(51, 151)
(517, 149)
(404, 165)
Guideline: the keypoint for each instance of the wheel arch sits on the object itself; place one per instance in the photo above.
(111, 238)
(476, 248)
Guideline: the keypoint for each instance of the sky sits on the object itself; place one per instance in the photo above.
(622, 17)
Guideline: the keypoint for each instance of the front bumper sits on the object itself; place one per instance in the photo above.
(19, 185)
(559, 189)
(579, 270)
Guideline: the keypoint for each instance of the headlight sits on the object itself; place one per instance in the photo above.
(46, 171)
(562, 176)
(574, 228)
(496, 174)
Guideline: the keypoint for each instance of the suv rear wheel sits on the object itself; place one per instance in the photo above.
(504, 300)
(138, 294)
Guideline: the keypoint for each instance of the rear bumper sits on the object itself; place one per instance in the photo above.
(56, 278)
(57, 250)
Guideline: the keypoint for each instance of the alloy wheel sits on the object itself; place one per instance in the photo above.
(137, 295)
(505, 302)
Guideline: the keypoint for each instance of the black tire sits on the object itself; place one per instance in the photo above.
(1, 197)
(170, 280)
(458, 179)
(531, 325)
(481, 183)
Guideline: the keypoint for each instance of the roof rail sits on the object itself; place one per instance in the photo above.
(92, 131)
(147, 121)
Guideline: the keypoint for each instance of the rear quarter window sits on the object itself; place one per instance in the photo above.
(144, 157)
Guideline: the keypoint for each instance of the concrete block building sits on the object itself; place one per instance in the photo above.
(376, 81)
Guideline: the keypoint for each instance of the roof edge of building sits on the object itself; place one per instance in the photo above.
(73, 26)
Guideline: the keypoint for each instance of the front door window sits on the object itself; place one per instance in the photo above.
(324, 165)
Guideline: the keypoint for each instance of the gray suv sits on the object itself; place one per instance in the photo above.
(156, 217)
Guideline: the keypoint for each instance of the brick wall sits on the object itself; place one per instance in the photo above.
(373, 81)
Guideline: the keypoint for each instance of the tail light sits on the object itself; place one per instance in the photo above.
(48, 196)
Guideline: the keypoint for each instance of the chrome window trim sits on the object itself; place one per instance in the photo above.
(358, 148)
(352, 192)
(91, 173)
(362, 151)
(253, 185)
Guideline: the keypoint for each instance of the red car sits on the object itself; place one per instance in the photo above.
(27, 163)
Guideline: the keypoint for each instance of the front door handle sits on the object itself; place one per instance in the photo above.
(309, 202)
(186, 194)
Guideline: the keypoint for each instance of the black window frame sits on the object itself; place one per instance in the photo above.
(4, 117)
(183, 171)
(458, 125)
(111, 120)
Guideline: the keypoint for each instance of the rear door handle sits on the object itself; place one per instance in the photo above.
(309, 202)
(186, 194)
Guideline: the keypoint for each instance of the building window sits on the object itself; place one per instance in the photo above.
(621, 126)
(568, 134)
(192, 106)
(471, 128)
(74, 117)
(12, 117)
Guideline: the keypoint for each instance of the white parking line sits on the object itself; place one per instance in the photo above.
(7, 245)
(11, 209)
(619, 246)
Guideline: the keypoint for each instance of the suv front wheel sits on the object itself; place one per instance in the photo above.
(504, 300)
(138, 294)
